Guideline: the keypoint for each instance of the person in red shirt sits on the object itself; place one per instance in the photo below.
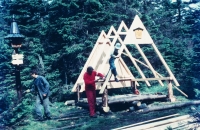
(90, 88)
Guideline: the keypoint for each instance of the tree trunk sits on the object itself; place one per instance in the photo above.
(122, 98)
(136, 98)
(164, 107)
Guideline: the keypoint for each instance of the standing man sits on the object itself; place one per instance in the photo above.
(90, 89)
(114, 54)
(41, 86)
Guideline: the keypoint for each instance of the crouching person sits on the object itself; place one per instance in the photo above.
(41, 87)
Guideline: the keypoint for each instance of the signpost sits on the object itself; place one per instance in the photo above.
(17, 59)
(15, 39)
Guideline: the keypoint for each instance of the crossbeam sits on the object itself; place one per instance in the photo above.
(133, 79)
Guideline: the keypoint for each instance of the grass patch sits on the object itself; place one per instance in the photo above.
(103, 122)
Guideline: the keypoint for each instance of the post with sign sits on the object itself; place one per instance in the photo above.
(15, 39)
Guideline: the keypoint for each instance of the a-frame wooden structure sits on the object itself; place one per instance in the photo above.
(135, 35)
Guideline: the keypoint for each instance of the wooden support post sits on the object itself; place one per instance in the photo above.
(133, 85)
(105, 100)
(104, 97)
(78, 92)
(134, 88)
(171, 97)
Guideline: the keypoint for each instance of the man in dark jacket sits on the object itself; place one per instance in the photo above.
(41, 86)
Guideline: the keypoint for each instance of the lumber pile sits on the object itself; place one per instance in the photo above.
(174, 121)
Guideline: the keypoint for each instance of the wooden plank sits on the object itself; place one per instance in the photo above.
(181, 124)
(144, 122)
(170, 91)
(122, 33)
(97, 56)
(111, 36)
(126, 68)
(180, 91)
(165, 64)
(132, 79)
(148, 63)
(135, 64)
(164, 78)
(151, 125)
(106, 81)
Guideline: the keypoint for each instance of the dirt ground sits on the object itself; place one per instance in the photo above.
(76, 118)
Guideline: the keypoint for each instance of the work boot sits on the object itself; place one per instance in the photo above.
(116, 80)
(40, 118)
(48, 118)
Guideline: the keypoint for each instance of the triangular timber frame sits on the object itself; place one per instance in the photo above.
(100, 55)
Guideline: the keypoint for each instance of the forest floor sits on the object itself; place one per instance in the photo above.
(76, 118)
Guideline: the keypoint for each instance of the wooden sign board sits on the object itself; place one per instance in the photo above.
(17, 62)
(17, 56)
(17, 59)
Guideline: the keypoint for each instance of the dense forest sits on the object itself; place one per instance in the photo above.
(60, 34)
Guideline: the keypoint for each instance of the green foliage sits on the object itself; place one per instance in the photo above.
(17, 112)
(197, 91)
(155, 90)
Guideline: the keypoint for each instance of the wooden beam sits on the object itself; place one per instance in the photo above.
(145, 122)
(154, 124)
(133, 79)
(170, 91)
(184, 124)
(165, 64)
(105, 100)
(148, 63)
(180, 91)
(78, 92)
(122, 33)
(136, 98)
(94, 61)
(135, 64)
(106, 81)
(126, 68)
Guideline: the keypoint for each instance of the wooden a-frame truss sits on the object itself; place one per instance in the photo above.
(100, 55)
